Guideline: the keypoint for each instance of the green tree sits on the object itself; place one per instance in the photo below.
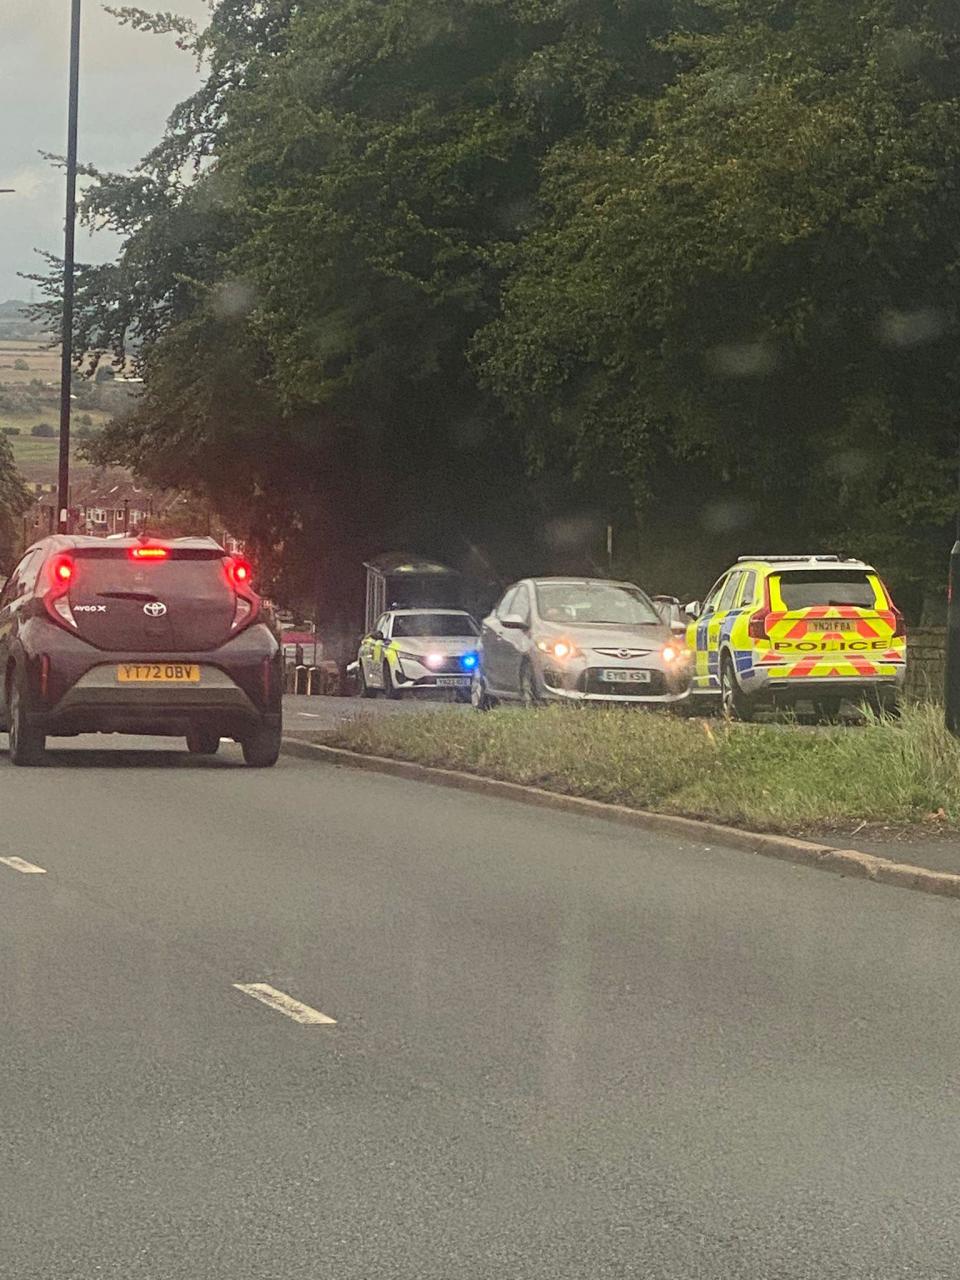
(14, 501)
(304, 307)
(748, 294)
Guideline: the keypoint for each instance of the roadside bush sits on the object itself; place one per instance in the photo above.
(43, 430)
(10, 431)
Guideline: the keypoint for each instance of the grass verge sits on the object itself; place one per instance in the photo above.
(767, 778)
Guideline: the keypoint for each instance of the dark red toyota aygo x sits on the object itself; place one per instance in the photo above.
(138, 636)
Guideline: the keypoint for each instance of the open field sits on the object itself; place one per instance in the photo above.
(36, 459)
(43, 361)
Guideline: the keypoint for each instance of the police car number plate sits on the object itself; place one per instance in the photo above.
(620, 675)
(453, 682)
(833, 624)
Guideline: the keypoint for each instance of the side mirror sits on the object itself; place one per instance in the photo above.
(678, 628)
(513, 622)
(693, 609)
(376, 635)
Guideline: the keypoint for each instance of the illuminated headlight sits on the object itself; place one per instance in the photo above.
(674, 653)
(559, 649)
(435, 660)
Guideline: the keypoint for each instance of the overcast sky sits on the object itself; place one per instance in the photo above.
(130, 81)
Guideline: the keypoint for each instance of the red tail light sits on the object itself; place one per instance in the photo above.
(241, 572)
(757, 626)
(240, 577)
(61, 570)
(899, 626)
(60, 573)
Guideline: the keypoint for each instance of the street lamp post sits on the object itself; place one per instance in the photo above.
(69, 245)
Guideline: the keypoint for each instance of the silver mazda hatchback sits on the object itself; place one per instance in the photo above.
(579, 640)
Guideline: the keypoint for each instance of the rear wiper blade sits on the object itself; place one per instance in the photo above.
(126, 595)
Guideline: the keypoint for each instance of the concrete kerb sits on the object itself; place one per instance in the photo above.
(845, 862)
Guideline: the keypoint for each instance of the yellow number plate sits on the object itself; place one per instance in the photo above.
(158, 673)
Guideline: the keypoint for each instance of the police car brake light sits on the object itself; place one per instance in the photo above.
(757, 626)
(899, 626)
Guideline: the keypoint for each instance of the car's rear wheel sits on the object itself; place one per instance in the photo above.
(884, 705)
(203, 743)
(736, 704)
(27, 742)
(362, 687)
(828, 709)
(389, 688)
(261, 749)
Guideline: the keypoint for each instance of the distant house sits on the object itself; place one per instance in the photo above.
(111, 502)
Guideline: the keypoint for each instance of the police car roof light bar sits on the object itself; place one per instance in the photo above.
(788, 559)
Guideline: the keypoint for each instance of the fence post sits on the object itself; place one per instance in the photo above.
(951, 691)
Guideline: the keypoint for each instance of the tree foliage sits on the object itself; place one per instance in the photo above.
(435, 271)
(14, 501)
(752, 287)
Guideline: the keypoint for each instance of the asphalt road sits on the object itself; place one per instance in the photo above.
(315, 715)
(563, 1050)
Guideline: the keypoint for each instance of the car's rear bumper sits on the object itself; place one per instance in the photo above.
(96, 704)
(849, 686)
(239, 690)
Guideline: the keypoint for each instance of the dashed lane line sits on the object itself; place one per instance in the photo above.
(25, 868)
(285, 1004)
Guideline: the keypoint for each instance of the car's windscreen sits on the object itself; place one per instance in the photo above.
(433, 624)
(595, 602)
(810, 588)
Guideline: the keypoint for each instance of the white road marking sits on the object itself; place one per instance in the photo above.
(26, 868)
(285, 1004)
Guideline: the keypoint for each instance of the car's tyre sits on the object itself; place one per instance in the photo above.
(480, 699)
(27, 742)
(828, 709)
(261, 749)
(363, 688)
(884, 705)
(530, 694)
(390, 690)
(202, 742)
(736, 704)
(463, 695)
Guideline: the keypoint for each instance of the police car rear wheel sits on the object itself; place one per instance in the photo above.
(736, 704)
(828, 709)
(389, 688)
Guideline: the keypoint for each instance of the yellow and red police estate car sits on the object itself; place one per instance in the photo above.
(781, 629)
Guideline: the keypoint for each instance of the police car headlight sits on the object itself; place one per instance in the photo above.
(413, 657)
